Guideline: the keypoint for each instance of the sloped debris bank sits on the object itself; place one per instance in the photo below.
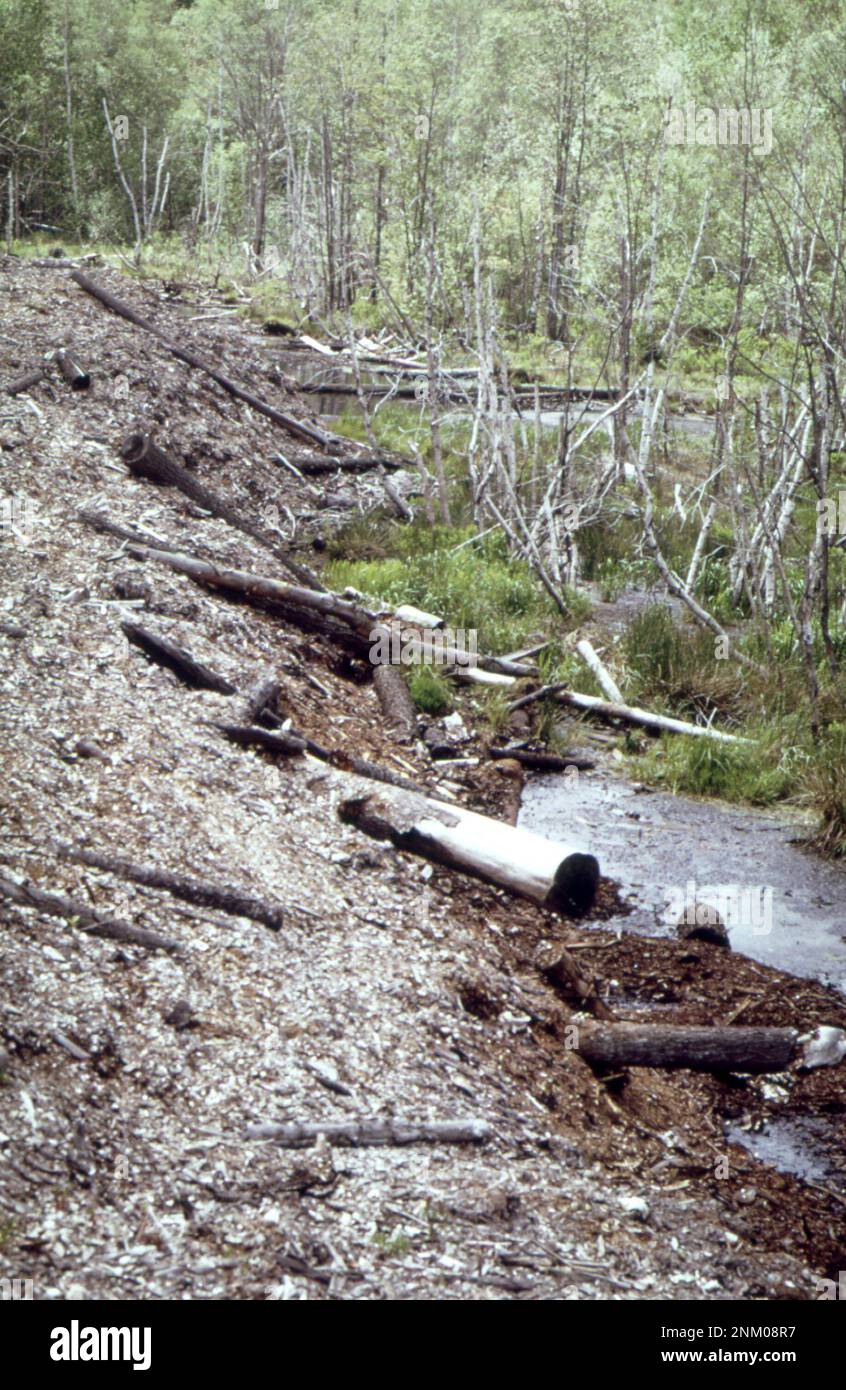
(394, 993)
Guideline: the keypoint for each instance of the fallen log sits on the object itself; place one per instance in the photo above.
(606, 681)
(191, 890)
(748, 1050)
(544, 762)
(311, 434)
(78, 915)
(555, 962)
(100, 522)
(145, 459)
(314, 464)
(629, 714)
(288, 744)
(177, 659)
(261, 700)
(75, 375)
(395, 700)
(556, 876)
(373, 1132)
(25, 383)
(296, 601)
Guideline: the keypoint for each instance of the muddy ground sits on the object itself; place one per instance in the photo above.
(392, 989)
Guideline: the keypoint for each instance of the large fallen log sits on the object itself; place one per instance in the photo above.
(78, 915)
(145, 459)
(310, 433)
(628, 714)
(556, 876)
(177, 659)
(309, 608)
(749, 1050)
(221, 896)
(378, 1131)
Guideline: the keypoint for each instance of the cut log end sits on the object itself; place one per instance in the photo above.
(575, 885)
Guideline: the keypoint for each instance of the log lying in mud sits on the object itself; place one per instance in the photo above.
(395, 700)
(82, 917)
(315, 464)
(606, 681)
(749, 1050)
(145, 459)
(191, 890)
(545, 762)
(177, 659)
(554, 875)
(628, 714)
(375, 1132)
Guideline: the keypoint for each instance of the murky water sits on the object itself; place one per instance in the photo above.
(781, 904)
(793, 1144)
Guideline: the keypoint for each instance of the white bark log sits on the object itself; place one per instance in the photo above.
(557, 876)
(603, 676)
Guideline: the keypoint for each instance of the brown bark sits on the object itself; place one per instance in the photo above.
(693, 1048)
(177, 659)
(397, 704)
(191, 890)
(146, 460)
(82, 917)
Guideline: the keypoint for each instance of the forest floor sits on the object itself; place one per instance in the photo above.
(392, 989)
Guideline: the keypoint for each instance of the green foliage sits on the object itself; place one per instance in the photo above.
(705, 767)
(429, 690)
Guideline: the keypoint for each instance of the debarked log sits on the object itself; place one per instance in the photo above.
(629, 714)
(748, 1050)
(220, 896)
(78, 915)
(557, 876)
(370, 1132)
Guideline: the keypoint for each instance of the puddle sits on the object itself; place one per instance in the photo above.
(782, 906)
(799, 1145)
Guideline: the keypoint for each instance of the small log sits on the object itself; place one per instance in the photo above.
(100, 522)
(315, 464)
(78, 915)
(177, 659)
(397, 704)
(289, 744)
(191, 890)
(544, 762)
(606, 681)
(146, 460)
(25, 383)
(75, 375)
(373, 1132)
(555, 962)
(750, 1050)
(556, 876)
